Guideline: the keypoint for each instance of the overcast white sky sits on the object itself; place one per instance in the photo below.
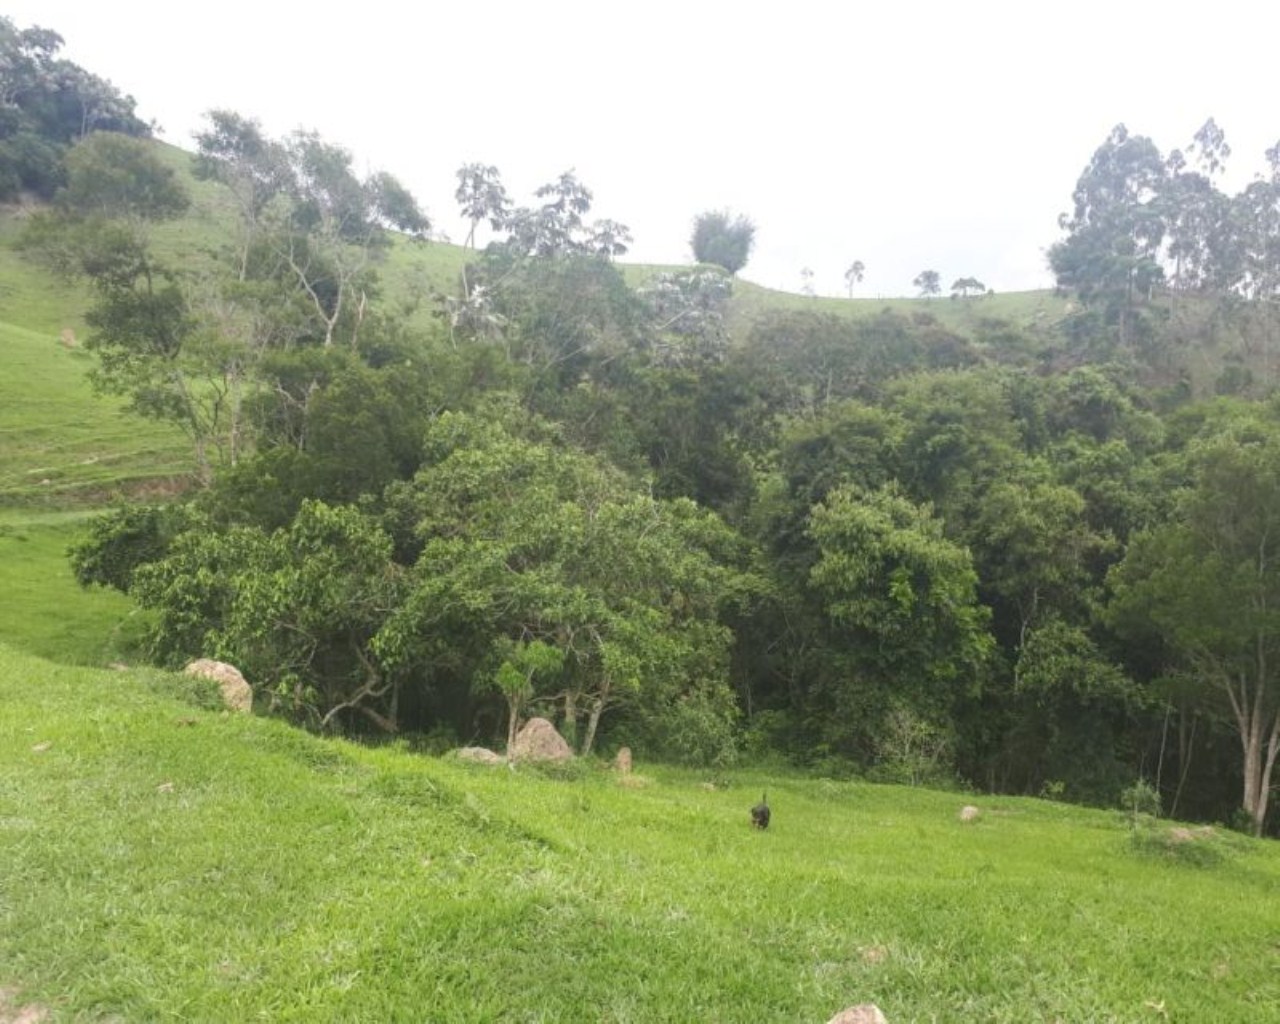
(909, 135)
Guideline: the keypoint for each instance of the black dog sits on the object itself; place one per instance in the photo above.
(760, 812)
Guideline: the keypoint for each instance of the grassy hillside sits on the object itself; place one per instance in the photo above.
(163, 862)
(60, 443)
(42, 610)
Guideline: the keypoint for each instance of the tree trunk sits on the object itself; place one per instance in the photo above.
(513, 718)
(593, 721)
(571, 716)
(1164, 736)
(1252, 776)
(1259, 731)
(373, 688)
(1185, 745)
(1264, 786)
(234, 426)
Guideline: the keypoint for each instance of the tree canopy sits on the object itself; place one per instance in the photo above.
(936, 544)
(721, 239)
(46, 104)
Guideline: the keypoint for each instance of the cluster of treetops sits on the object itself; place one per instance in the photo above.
(1033, 557)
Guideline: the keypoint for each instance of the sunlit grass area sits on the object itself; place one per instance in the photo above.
(166, 862)
(42, 609)
(1036, 310)
(60, 442)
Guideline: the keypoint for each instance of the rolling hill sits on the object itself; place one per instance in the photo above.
(63, 443)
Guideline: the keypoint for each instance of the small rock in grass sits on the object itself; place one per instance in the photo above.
(1179, 835)
(969, 813)
(165, 787)
(863, 1013)
(40, 748)
(480, 755)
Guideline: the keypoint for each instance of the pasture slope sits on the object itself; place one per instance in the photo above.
(165, 861)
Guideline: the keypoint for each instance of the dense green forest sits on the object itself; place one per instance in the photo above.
(1017, 555)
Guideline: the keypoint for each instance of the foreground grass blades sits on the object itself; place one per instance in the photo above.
(162, 862)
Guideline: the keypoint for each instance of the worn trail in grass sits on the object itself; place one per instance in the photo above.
(163, 862)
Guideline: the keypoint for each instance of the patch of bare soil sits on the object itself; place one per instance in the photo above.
(13, 1013)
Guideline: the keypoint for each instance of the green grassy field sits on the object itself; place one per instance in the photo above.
(42, 609)
(167, 863)
(60, 443)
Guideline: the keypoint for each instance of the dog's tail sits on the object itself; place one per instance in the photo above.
(764, 798)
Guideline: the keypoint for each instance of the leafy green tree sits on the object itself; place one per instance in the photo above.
(966, 286)
(557, 227)
(1071, 715)
(857, 270)
(804, 359)
(721, 239)
(244, 299)
(481, 196)
(46, 104)
(1198, 217)
(335, 228)
(846, 443)
(686, 314)
(929, 282)
(608, 239)
(547, 289)
(524, 542)
(123, 539)
(1036, 551)
(150, 345)
(1111, 255)
(1207, 584)
(904, 595)
(959, 435)
(559, 317)
(116, 176)
(255, 169)
(690, 424)
(303, 272)
(295, 608)
(521, 661)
